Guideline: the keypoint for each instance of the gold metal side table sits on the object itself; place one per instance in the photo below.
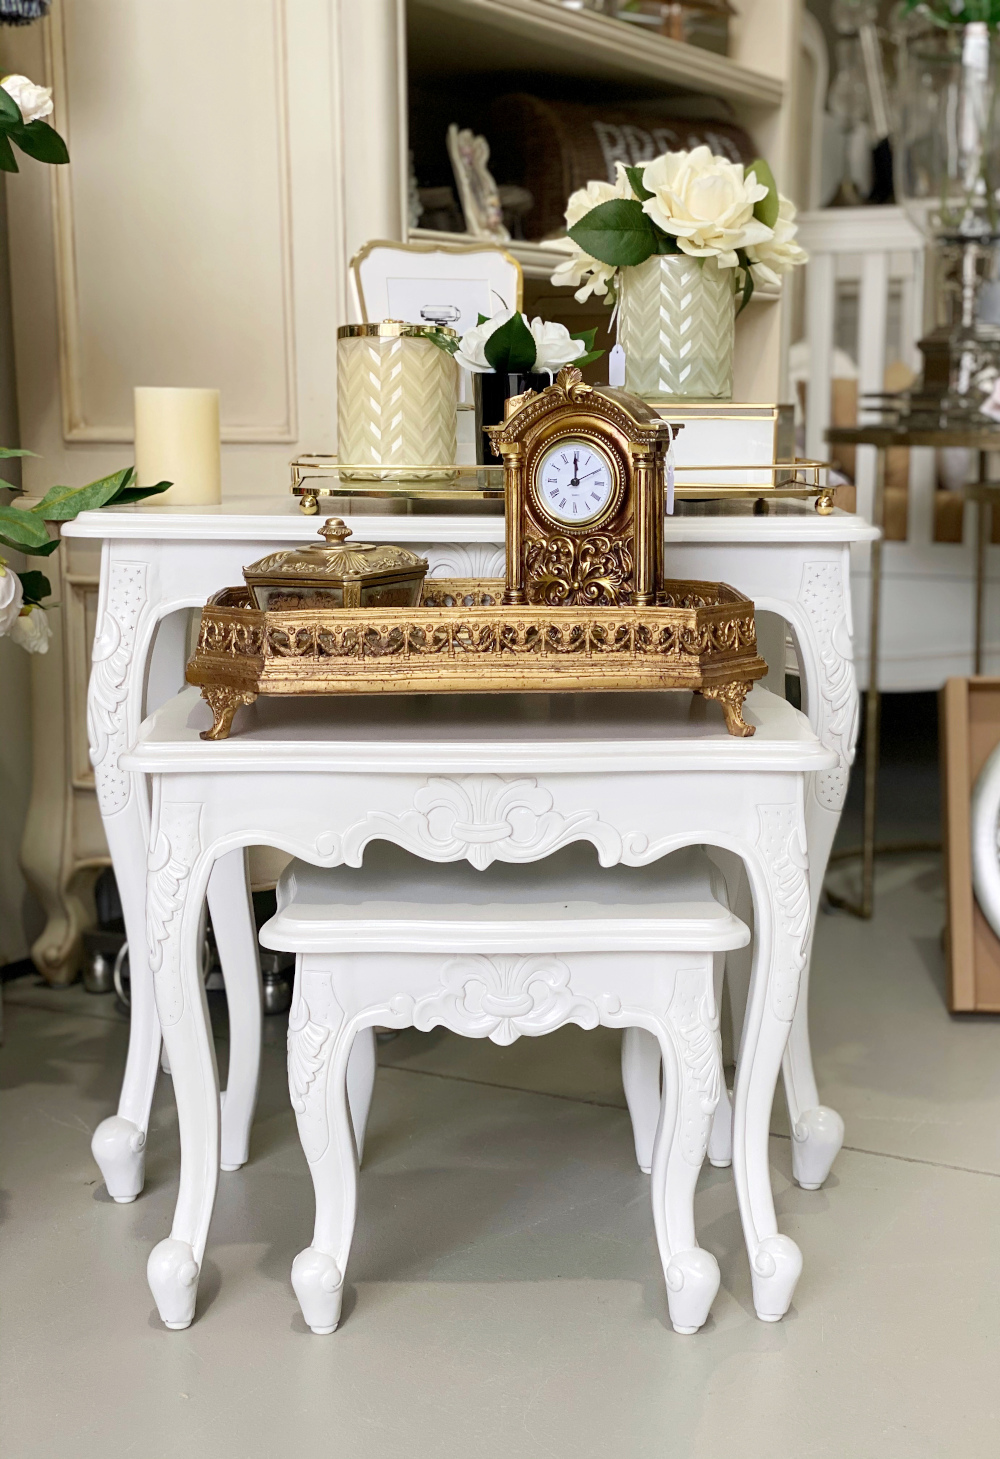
(883, 437)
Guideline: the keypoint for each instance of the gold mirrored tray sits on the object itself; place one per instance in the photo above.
(316, 476)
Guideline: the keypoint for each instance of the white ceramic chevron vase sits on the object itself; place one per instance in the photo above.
(677, 327)
(397, 399)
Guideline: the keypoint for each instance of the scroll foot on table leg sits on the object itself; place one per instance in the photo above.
(319, 1287)
(692, 1282)
(817, 1136)
(172, 1273)
(775, 1269)
(119, 1147)
(224, 701)
(731, 697)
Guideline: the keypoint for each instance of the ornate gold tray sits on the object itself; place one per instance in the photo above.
(461, 638)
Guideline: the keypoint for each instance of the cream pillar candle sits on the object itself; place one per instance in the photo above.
(177, 439)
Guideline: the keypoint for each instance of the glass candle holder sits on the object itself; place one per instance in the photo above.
(397, 399)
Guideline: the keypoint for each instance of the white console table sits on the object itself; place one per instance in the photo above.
(157, 561)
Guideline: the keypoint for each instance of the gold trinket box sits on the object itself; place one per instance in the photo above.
(338, 574)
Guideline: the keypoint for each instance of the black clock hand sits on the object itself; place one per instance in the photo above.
(589, 473)
(574, 479)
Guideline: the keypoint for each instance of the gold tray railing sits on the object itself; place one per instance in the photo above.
(317, 476)
(462, 638)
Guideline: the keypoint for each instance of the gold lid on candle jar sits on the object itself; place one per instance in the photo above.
(337, 574)
(393, 329)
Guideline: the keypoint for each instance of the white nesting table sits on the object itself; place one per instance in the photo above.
(478, 778)
(157, 560)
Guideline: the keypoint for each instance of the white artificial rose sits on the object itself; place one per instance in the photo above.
(584, 274)
(706, 203)
(31, 630)
(779, 254)
(581, 272)
(471, 352)
(553, 346)
(11, 597)
(35, 102)
(585, 198)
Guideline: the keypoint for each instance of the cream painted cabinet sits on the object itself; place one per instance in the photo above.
(228, 157)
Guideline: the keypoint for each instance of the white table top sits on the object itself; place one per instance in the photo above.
(476, 733)
(263, 519)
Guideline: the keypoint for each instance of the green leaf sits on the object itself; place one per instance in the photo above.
(443, 341)
(511, 348)
(482, 318)
(744, 259)
(634, 175)
(10, 112)
(63, 503)
(50, 546)
(23, 530)
(8, 162)
(40, 141)
(6, 451)
(138, 493)
(618, 233)
(588, 358)
(586, 336)
(35, 586)
(766, 211)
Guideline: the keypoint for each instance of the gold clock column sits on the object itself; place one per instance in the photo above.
(645, 501)
(513, 469)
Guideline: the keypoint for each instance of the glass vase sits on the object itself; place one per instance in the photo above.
(677, 326)
(947, 150)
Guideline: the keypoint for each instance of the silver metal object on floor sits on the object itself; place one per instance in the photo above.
(100, 949)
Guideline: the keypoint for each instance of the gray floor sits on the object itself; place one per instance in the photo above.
(505, 1297)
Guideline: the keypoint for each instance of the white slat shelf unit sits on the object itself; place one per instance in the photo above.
(458, 38)
(927, 586)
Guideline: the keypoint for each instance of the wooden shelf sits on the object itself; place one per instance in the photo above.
(462, 36)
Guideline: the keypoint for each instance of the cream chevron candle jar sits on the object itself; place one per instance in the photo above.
(397, 399)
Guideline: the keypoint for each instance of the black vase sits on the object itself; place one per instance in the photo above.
(491, 394)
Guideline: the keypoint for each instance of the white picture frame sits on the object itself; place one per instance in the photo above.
(434, 283)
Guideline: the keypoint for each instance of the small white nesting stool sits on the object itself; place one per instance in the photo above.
(501, 953)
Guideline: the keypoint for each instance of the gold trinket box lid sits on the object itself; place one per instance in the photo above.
(335, 563)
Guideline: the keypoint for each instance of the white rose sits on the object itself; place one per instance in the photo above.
(585, 198)
(34, 101)
(11, 597)
(584, 274)
(471, 352)
(706, 203)
(553, 346)
(31, 630)
(780, 253)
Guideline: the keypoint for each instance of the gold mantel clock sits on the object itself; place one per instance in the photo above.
(584, 471)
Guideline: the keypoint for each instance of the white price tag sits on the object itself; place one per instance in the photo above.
(616, 366)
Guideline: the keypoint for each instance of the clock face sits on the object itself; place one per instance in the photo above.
(574, 481)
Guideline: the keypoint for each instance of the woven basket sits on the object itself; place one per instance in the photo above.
(554, 147)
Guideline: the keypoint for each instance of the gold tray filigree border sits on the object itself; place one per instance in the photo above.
(462, 638)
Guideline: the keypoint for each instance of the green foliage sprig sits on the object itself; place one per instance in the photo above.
(956, 13)
(36, 139)
(24, 529)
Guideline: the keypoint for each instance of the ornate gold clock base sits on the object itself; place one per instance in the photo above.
(731, 697)
(224, 701)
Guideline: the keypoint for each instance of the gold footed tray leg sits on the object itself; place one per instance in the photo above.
(731, 697)
(224, 701)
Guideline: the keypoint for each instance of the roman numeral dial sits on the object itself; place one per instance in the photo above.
(574, 481)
